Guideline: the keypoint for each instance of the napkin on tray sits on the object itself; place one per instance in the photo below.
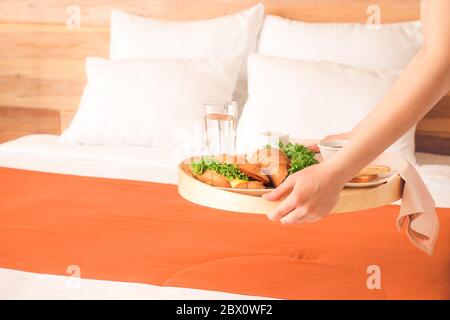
(417, 208)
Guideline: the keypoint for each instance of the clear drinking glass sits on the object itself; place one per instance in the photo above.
(220, 127)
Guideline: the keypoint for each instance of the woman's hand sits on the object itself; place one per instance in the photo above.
(311, 194)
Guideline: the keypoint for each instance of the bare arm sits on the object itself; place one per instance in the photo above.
(425, 81)
(313, 192)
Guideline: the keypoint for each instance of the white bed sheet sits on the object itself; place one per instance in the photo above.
(20, 285)
(45, 153)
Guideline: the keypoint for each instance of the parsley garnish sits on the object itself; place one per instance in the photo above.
(300, 156)
(230, 171)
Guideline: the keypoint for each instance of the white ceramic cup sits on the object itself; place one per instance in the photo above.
(272, 138)
(329, 148)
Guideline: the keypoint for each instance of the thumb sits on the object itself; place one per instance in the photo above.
(280, 191)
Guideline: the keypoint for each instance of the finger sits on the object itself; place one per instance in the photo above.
(281, 191)
(294, 216)
(282, 209)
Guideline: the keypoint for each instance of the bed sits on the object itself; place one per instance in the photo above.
(106, 222)
(347, 242)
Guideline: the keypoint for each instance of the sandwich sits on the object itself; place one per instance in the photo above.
(267, 167)
(273, 163)
(224, 174)
(279, 163)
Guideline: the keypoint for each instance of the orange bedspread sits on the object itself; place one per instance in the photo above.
(146, 233)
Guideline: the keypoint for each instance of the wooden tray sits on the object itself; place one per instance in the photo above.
(351, 199)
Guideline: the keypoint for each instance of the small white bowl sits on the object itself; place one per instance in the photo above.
(330, 147)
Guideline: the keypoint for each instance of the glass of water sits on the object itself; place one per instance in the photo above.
(220, 127)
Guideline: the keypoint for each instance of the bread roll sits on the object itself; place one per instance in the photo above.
(277, 174)
(268, 157)
(254, 171)
(374, 170)
(274, 163)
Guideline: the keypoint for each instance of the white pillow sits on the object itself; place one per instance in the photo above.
(311, 100)
(148, 102)
(392, 46)
(138, 37)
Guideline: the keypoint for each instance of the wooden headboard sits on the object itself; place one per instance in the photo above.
(42, 59)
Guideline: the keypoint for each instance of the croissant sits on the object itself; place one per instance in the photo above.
(254, 171)
(214, 179)
(273, 162)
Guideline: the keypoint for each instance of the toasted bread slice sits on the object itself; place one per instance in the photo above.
(364, 179)
(214, 179)
(374, 170)
(254, 171)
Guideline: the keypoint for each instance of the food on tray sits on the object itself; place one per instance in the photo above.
(300, 156)
(213, 178)
(374, 170)
(266, 167)
(254, 171)
(364, 179)
(248, 185)
(370, 173)
(277, 174)
(277, 164)
(273, 162)
(222, 174)
(268, 157)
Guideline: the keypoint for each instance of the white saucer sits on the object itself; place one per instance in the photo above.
(380, 180)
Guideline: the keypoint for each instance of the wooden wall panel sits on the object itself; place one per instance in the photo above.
(433, 142)
(96, 12)
(43, 41)
(42, 60)
(438, 119)
(42, 66)
(17, 122)
(433, 132)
